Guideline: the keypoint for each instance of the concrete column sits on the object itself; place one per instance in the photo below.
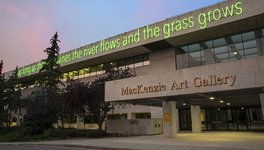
(169, 119)
(196, 119)
(262, 103)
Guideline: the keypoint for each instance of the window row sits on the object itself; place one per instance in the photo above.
(229, 48)
(131, 62)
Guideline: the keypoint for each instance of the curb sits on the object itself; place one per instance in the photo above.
(70, 145)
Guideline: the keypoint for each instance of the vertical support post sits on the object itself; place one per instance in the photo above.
(169, 119)
(196, 119)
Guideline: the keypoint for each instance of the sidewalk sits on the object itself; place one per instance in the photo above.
(184, 141)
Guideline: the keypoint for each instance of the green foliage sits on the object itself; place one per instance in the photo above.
(2, 95)
(74, 98)
(96, 104)
(13, 134)
(44, 106)
(87, 99)
(41, 114)
(51, 74)
(12, 93)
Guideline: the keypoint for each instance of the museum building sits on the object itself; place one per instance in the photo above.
(199, 71)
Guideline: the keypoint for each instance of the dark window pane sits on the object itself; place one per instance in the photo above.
(146, 57)
(248, 36)
(93, 69)
(194, 47)
(236, 38)
(184, 48)
(209, 44)
(130, 61)
(219, 42)
(100, 67)
(122, 62)
(138, 59)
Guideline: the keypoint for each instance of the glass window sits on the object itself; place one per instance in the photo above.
(209, 44)
(209, 56)
(233, 47)
(87, 71)
(250, 44)
(236, 38)
(194, 47)
(100, 69)
(184, 48)
(71, 75)
(146, 59)
(221, 54)
(81, 73)
(236, 51)
(116, 116)
(113, 64)
(130, 62)
(248, 36)
(219, 42)
(121, 63)
(75, 74)
(138, 61)
(65, 76)
(93, 71)
(142, 115)
(195, 59)
(195, 55)
(252, 52)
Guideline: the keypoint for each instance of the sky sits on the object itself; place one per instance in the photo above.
(26, 26)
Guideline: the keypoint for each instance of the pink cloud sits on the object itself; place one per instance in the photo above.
(35, 39)
(13, 10)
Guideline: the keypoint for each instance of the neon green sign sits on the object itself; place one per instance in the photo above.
(166, 30)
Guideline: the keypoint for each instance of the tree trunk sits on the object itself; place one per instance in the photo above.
(100, 126)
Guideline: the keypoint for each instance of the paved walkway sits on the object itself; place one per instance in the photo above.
(183, 141)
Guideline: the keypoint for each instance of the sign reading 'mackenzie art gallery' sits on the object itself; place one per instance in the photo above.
(197, 82)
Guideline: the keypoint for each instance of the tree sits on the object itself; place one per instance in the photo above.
(44, 104)
(74, 98)
(96, 104)
(51, 74)
(2, 95)
(13, 93)
(40, 114)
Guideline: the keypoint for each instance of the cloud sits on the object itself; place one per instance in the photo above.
(25, 32)
(13, 10)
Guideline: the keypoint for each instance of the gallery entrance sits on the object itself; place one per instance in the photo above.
(224, 119)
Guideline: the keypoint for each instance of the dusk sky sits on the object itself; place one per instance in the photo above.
(26, 26)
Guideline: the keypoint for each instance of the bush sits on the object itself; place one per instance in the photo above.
(13, 134)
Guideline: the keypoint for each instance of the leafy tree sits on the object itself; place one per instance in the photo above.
(40, 114)
(2, 95)
(74, 98)
(48, 109)
(13, 93)
(96, 104)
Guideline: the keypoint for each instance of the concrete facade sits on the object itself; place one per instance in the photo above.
(240, 74)
(178, 93)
